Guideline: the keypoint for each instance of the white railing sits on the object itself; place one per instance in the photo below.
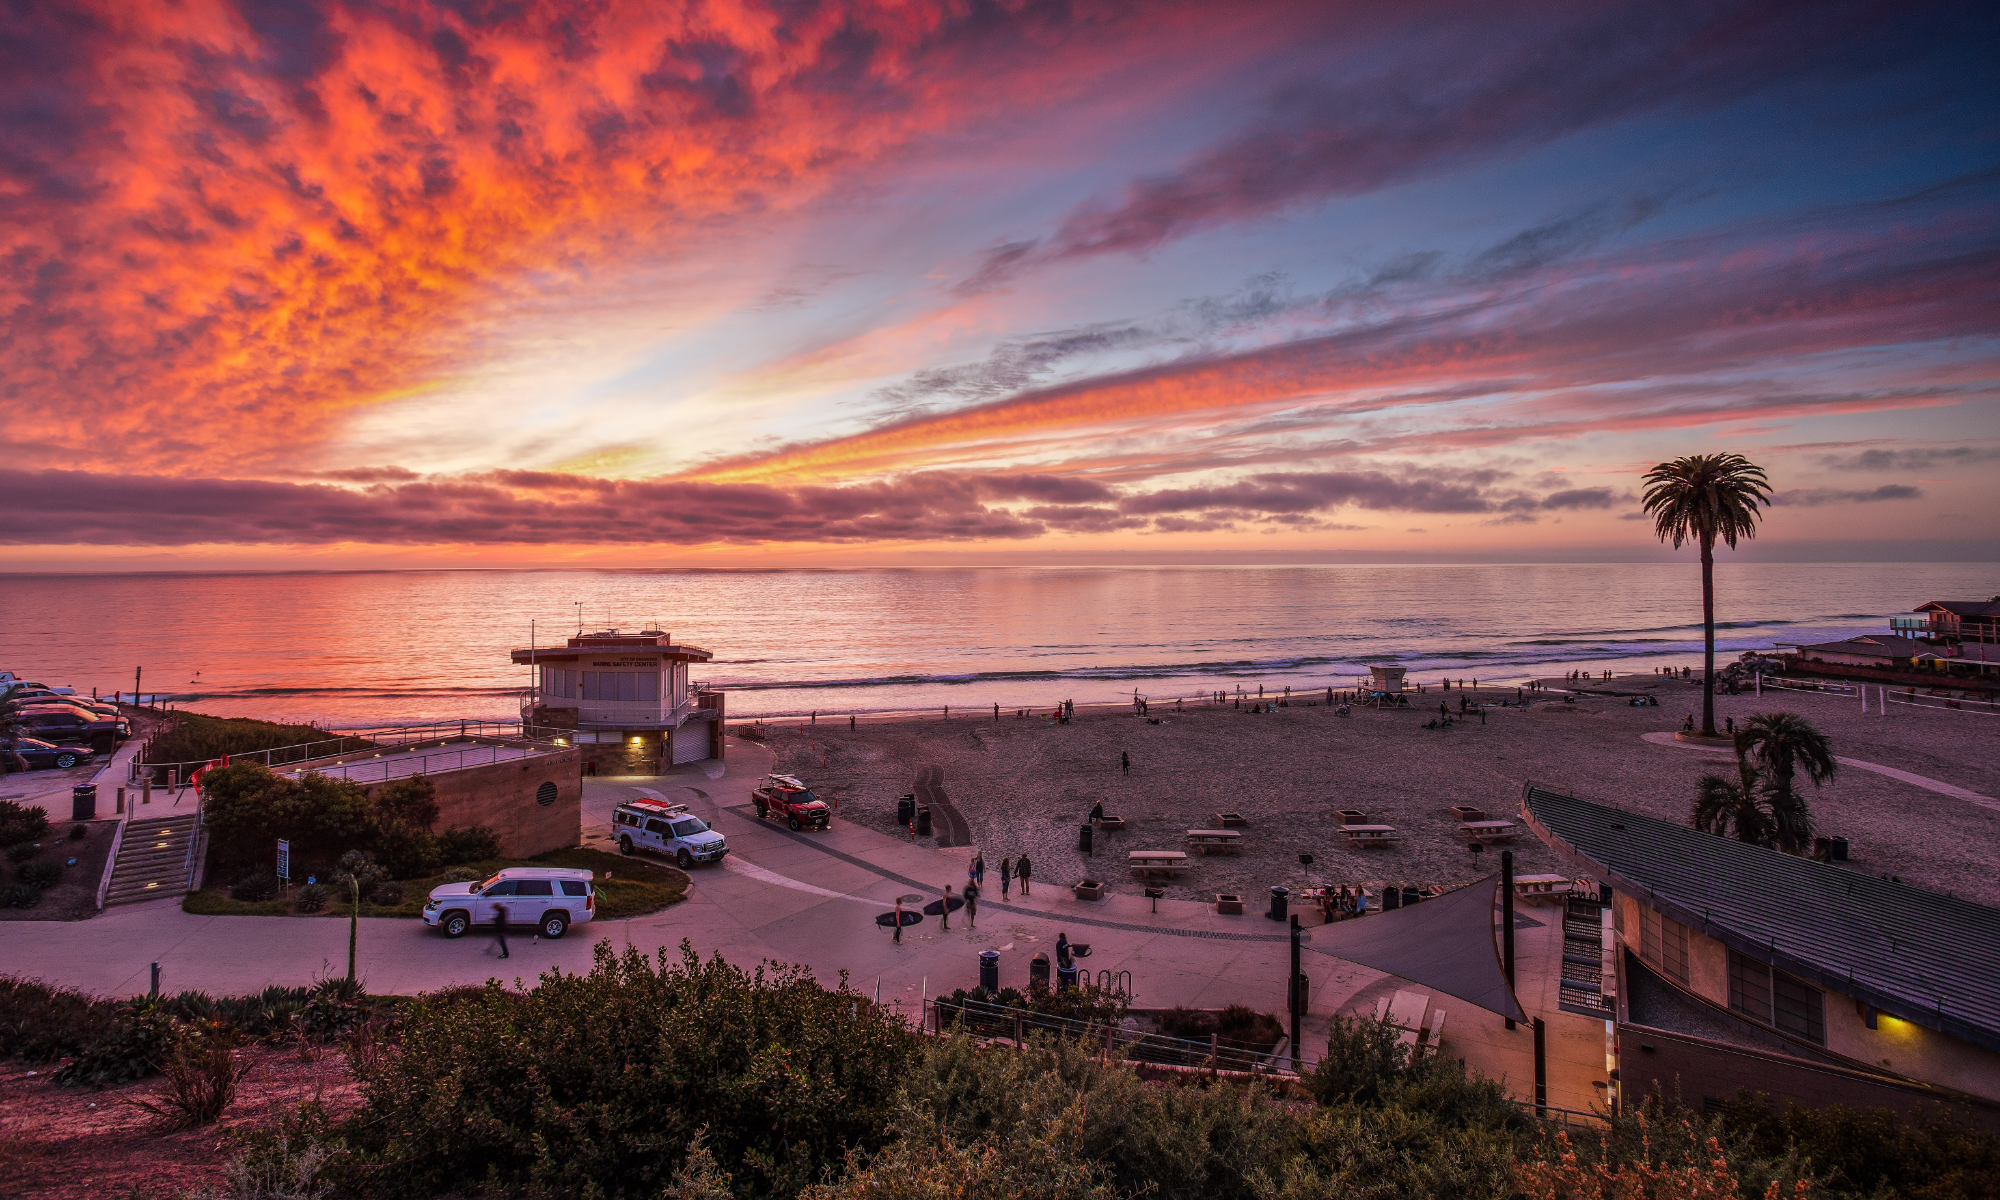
(379, 767)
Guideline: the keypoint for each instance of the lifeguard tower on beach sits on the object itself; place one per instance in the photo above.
(1387, 680)
(625, 699)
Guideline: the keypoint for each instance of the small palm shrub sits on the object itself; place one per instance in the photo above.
(201, 1072)
(23, 851)
(311, 899)
(21, 822)
(78, 832)
(258, 884)
(40, 874)
(20, 895)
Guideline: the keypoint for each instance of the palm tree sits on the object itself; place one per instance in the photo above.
(1782, 744)
(1722, 804)
(1698, 499)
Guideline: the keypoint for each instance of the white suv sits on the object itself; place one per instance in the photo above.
(666, 829)
(549, 898)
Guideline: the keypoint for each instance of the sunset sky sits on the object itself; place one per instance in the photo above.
(650, 284)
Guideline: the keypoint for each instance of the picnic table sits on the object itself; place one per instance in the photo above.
(1371, 835)
(1157, 862)
(1407, 1012)
(1541, 887)
(1215, 841)
(1489, 831)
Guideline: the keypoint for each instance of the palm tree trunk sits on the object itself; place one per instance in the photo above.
(1708, 636)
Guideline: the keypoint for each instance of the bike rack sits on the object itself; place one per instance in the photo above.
(1118, 982)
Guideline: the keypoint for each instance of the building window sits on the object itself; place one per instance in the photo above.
(627, 686)
(558, 684)
(1770, 997)
(1663, 942)
(1801, 1008)
(1750, 988)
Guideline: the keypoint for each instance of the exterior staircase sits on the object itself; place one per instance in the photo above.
(153, 859)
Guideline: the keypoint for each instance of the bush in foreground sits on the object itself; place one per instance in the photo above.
(597, 1083)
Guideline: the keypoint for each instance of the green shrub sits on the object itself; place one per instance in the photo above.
(194, 737)
(78, 832)
(596, 1084)
(21, 822)
(248, 809)
(310, 899)
(39, 1023)
(23, 851)
(471, 844)
(133, 1048)
(362, 866)
(411, 802)
(255, 884)
(405, 851)
(1363, 1060)
(20, 895)
(387, 895)
(40, 874)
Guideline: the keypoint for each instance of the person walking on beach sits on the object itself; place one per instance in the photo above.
(1025, 872)
(1006, 875)
(500, 928)
(945, 921)
(899, 920)
(1097, 812)
(972, 905)
(1125, 762)
(978, 867)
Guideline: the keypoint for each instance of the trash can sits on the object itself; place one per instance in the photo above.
(906, 811)
(1392, 897)
(1083, 835)
(1038, 970)
(989, 970)
(923, 820)
(83, 802)
(1411, 895)
(1066, 979)
(1839, 849)
(1281, 898)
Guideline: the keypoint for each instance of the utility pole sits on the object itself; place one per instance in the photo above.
(1298, 994)
(1507, 921)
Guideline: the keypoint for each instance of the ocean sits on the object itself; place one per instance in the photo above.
(352, 650)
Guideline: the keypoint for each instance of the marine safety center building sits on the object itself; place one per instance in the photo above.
(625, 699)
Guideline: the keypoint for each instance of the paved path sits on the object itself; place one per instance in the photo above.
(1923, 781)
(809, 898)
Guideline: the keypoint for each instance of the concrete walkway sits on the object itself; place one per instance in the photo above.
(1910, 777)
(811, 898)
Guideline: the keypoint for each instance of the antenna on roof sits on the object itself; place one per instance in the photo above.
(579, 618)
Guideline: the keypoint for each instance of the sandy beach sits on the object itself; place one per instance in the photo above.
(1025, 785)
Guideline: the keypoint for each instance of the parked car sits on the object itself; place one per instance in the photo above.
(41, 755)
(12, 687)
(83, 706)
(69, 726)
(549, 898)
(784, 796)
(667, 829)
(33, 693)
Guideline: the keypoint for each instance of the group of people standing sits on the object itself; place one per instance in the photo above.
(1011, 870)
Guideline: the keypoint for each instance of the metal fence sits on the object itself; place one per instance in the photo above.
(1004, 1024)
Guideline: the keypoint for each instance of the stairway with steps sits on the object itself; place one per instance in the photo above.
(152, 860)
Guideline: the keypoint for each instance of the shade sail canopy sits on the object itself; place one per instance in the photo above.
(1445, 944)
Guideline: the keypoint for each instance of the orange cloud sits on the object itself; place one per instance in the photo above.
(236, 222)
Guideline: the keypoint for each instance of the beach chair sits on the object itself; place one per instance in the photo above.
(1435, 1037)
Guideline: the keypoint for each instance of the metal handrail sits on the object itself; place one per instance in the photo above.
(347, 770)
(401, 735)
(1130, 1043)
